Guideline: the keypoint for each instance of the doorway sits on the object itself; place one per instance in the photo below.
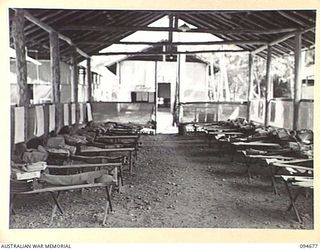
(164, 96)
(164, 116)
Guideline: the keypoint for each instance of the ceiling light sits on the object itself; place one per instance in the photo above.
(184, 27)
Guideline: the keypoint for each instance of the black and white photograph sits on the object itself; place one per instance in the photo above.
(161, 118)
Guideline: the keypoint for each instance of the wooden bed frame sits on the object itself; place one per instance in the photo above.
(55, 191)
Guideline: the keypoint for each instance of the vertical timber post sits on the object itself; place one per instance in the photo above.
(181, 127)
(268, 80)
(89, 80)
(297, 79)
(176, 22)
(213, 86)
(156, 94)
(179, 81)
(55, 78)
(75, 77)
(21, 64)
(249, 85)
(170, 37)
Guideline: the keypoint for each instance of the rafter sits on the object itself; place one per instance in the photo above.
(46, 17)
(280, 39)
(119, 36)
(32, 32)
(198, 21)
(291, 18)
(49, 29)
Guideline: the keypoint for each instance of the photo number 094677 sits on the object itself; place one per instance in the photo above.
(304, 246)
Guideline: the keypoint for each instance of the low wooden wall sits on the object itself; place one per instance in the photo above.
(281, 113)
(211, 111)
(122, 112)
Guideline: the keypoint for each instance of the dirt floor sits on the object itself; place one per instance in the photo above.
(178, 182)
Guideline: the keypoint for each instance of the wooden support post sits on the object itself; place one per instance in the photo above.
(267, 91)
(176, 22)
(21, 64)
(250, 77)
(177, 95)
(224, 73)
(55, 77)
(49, 29)
(75, 77)
(118, 77)
(297, 79)
(163, 55)
(213, 85)
(182, 76)
(170, 32)
(207, 87)
(178, 79)
(84, 77)
(89, 79)
(171, 27)
(156, 93)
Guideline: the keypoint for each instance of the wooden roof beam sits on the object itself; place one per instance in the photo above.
(34, 31)
(196, 21)
(81, 16)
(305, 17)
(277, 50)
(197, 30)
(166, 52)
(222, 21)
(140, 20)
(307, 40)
(268, 21)
(118, 36)
(44, 18)
(50, 30)
(291, 18)
(280, 40)
(223, 42)
(247, 24)
(284, 47)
